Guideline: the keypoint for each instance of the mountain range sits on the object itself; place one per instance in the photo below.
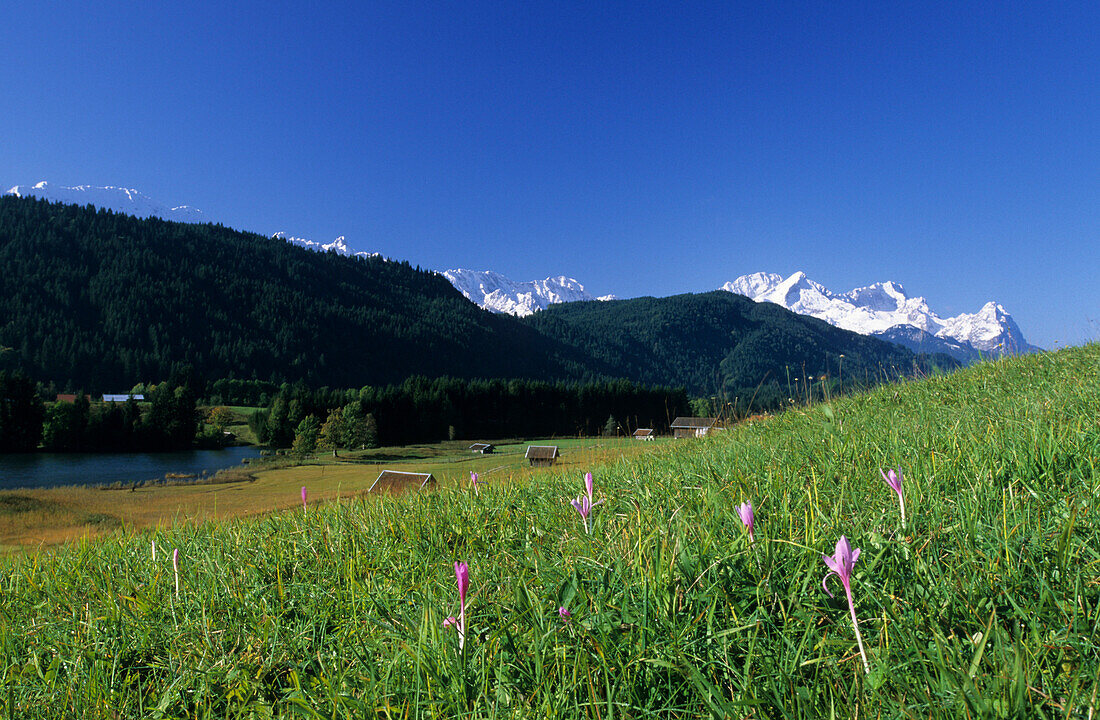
(498, 294)
(883, 310)
(338, 246)
(118, 199)
(102, 301)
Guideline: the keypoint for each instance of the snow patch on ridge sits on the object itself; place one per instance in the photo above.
(117, 199)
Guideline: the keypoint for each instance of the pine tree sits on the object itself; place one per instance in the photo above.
(611, 427)
(21, 414)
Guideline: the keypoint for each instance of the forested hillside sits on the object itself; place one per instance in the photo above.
(720, 343)
(101, 301)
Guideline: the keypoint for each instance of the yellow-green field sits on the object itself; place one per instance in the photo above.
(40, 517)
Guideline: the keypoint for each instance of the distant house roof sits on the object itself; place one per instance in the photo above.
(643, 432)
(542, 452)
(694, 422)
(70, 397)
(122, 398)
(481, 447)
(397, 481)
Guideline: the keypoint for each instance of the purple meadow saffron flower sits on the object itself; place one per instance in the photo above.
(477, 483)
(894, 480)
(176, 569)
(462, 577)
(745, 511)
(583, 506)
(565, 615)
(303, 498)
(841, 564)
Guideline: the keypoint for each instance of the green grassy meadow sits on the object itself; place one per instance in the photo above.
(986, 605)
(34, 518)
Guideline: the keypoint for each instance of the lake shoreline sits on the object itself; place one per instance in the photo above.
(54, 470)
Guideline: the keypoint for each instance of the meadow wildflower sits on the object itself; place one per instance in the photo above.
(303, 498)
(841, 564)
(476, 482)
(583, 506)
(462, 577)
(894, 481)
(565, 615)
(745, 511)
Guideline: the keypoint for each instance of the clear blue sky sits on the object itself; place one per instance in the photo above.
(644, 149)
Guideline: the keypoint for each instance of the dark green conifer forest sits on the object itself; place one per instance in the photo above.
(94, 300)
(101, 300)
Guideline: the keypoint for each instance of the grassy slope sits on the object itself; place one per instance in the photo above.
(34, 517)
(987, 605)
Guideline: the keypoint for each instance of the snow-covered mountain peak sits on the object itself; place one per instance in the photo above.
(117, 199)
(499, 294)
(886, 296)
(753, 285)
(339, 245)
(885, 309)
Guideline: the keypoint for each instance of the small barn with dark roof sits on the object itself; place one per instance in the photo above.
(692, 426)
(395, 481)
(644, 434)
(483, 448)
(542, 455)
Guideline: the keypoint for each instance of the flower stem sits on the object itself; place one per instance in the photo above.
(859, 638)
(461, 628)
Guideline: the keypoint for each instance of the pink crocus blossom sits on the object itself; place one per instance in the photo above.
(745, 511)
(841, 564)
(565, 615)
(583, 506)
(894, 481)
(462, 577)
(176, 569)
(303, 498)
(476, 483)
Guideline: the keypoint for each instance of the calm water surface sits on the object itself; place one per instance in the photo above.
(35, 470)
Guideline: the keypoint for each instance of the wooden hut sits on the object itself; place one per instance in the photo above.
(482, 448)
(644, 434)
(692, 426)
(542, 455)
(395, 481)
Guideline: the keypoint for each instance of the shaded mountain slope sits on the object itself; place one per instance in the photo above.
(719, 342)
(101, 300)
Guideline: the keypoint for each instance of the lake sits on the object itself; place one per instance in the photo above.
(37, 470)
